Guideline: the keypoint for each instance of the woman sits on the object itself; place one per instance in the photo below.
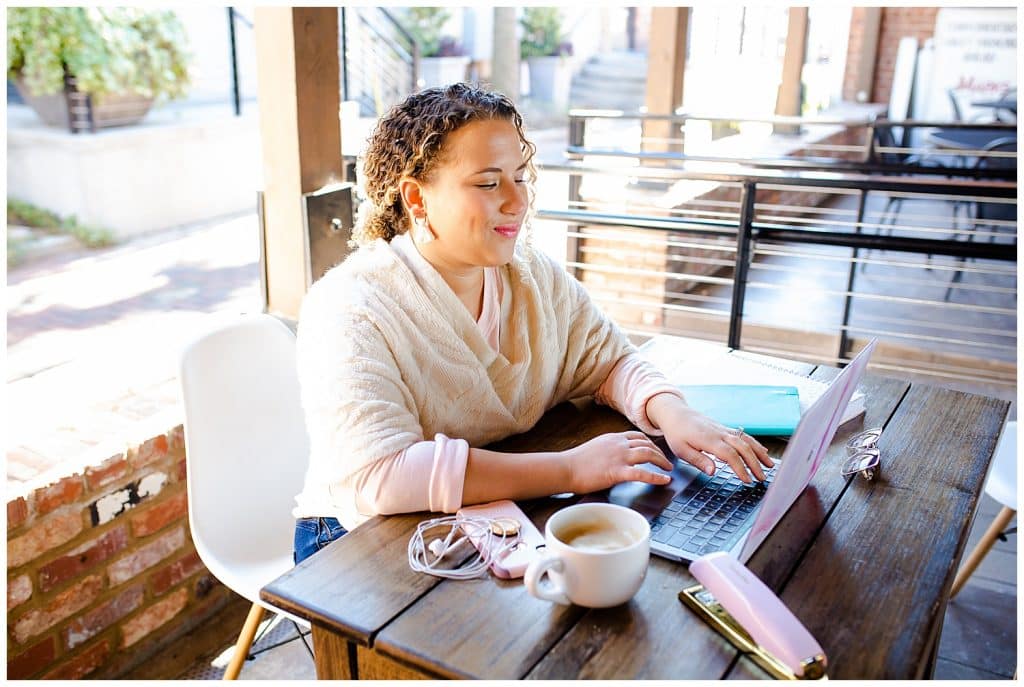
(446, 331)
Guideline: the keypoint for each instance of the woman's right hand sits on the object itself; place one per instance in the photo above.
(608, 459)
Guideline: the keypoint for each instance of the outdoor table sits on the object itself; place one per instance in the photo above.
(967, 139)
(867, 566)
(1000, 104)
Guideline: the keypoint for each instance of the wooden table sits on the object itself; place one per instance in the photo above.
(968, 139)
(866, 566)
(1009, 104)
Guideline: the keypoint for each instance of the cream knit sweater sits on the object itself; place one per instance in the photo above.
(388, 356)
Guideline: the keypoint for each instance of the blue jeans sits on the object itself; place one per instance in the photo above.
(313, 534)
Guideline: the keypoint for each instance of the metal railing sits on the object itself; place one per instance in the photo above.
(875, 145)
(807, 264)
(380, 60)
(234, 17)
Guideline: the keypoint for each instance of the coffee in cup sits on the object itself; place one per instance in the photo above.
(599, 535)
(595, 555)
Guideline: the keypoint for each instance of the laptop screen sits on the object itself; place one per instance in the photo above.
(806, 449)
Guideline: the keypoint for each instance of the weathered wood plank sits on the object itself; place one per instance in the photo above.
(486, 627)
(607, 645)
(890, 548)
(332, 654)
(358, 583)
(375, 666)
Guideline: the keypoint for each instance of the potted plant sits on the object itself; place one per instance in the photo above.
(442, 59)
(91, 67)
(545, 49)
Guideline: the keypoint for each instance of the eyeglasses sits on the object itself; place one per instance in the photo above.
(864, 454)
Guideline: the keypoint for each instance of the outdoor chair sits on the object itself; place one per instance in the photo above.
(884, 138)
(990, 214)
(1002, 486)
(246, 453)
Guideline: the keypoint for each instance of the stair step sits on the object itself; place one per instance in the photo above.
(617, 71)
(615, 81)
(600, 83)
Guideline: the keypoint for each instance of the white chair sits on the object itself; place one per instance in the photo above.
(246, 453)
(1002, 486)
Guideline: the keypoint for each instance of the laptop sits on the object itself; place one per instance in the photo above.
(696, 514)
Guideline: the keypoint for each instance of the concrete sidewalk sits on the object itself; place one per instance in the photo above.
(92, 336)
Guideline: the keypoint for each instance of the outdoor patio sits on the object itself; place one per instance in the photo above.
(57, 345)
(104, 580)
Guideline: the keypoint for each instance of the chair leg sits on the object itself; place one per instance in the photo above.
(892, 205)
(978, 554)
(252, 623)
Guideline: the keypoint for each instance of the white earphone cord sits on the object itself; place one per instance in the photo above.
(459, 531)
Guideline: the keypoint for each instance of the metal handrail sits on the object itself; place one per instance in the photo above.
(747, 228)
(825, 179)
(388, 41)
(775, 232)
(683, 117)
(871, 147)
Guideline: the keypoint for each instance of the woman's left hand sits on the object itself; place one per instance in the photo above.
(691, 434)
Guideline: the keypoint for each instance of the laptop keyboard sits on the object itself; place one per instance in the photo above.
(709, 513)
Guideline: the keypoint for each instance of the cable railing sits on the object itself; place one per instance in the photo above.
(807, 264)
(867, 145)
(380, 60)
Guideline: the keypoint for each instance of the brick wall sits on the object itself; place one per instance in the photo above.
(895, 23)
(101, 568)
(898, 23)
(854, 46)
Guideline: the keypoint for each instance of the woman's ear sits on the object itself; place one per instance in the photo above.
(412, 195)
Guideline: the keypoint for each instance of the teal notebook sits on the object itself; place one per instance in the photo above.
(758, 409)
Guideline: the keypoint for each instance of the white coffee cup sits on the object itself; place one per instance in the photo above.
(595, 555)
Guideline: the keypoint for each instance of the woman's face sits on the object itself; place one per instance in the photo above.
(477, 197)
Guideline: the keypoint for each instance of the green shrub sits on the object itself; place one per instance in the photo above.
(425, 24)
(20, 212)
(107, 50)
(542, 33)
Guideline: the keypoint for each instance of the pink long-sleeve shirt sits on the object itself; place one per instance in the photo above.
(429, 475)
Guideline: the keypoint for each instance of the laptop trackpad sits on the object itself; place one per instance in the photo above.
(650, 499)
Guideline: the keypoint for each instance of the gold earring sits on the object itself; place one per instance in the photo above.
(421, 230)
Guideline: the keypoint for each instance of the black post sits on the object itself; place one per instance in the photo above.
(844, 337)
(577, 136)
(344, 58)
(739, 282)
(631, 29)
(234, 62)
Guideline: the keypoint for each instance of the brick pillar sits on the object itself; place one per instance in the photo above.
(898, 23)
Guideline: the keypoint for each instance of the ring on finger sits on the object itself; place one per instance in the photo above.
(736, 431)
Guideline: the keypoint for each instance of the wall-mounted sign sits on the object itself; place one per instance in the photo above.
(975, 57)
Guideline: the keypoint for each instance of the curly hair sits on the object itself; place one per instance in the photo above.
(409, 142)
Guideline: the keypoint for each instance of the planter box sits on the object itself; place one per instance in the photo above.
(441, 71)
(177, 167)
(79, 111)
(550, 78)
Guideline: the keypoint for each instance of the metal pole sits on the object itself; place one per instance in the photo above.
(234, 62)
(844, 337)
(739, 284)
(577, 135)
(344, 56)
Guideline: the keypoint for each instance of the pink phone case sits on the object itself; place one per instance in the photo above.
(756, 608)
(513, 563)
